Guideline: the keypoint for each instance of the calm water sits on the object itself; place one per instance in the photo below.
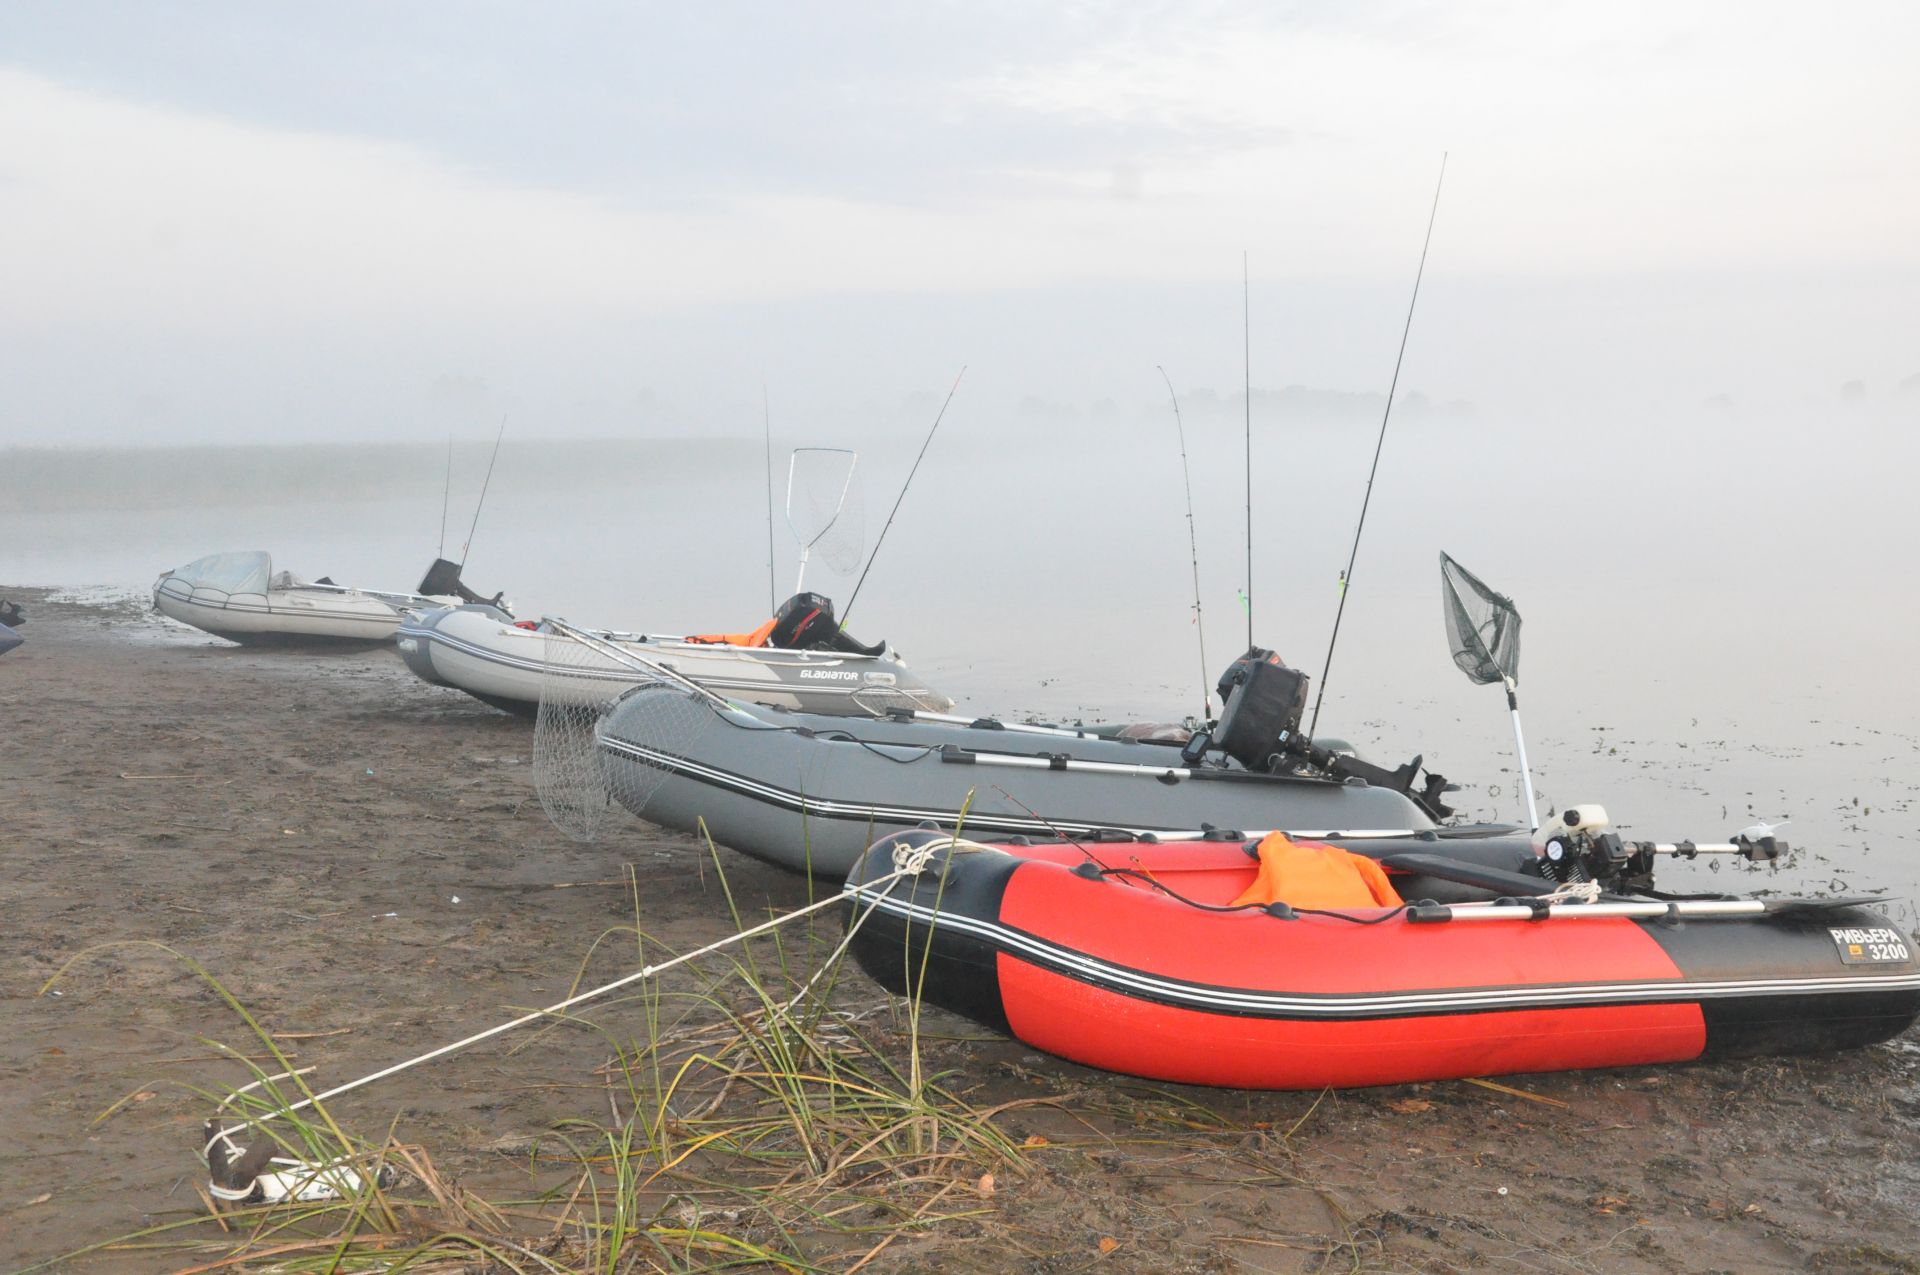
(1720, 617)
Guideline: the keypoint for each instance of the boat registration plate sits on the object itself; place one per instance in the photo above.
(1876, 945)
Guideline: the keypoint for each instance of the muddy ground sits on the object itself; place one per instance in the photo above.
(361, 860)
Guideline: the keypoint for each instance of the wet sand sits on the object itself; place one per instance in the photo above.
(302, 825)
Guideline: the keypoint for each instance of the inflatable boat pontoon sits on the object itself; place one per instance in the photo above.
(238, 596)
(484, 652)
(1133, 958)
(811, 793)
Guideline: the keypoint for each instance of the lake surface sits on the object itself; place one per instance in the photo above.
(1720, 613)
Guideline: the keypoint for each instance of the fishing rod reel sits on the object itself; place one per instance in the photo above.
(1259, 727)
(1578, 846)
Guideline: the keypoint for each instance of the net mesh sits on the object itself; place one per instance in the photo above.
(1483, 627)
(580, 783)
(825, 507)
(640, 738)
(566, 765)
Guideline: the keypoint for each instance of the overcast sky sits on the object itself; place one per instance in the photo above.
(224, 222)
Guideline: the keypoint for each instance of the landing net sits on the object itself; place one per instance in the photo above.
(585, 684)
(825, 507)
(1483, 627)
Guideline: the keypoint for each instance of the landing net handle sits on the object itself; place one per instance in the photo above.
(639, 663)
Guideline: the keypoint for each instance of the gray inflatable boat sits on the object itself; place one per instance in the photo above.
(811, 793)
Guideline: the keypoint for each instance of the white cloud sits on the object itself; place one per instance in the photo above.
(127, 211)
(181, 272)
(1584, 139)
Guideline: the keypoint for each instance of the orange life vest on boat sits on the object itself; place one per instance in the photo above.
(1307, 875)
(756, 638)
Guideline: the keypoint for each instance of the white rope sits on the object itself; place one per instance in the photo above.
(907, 861)
(911, 861)
(1574, 892)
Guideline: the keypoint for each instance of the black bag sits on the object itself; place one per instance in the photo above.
(1264, 702)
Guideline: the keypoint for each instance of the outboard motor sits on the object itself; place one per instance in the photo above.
(1259, 727)
(443, 581)
(1578, 847)
(1263, 702)
(805, 622)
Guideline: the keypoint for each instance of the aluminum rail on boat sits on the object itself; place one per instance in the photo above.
(956, 755)
(1541, 909)
(383, 595)
(657, 668)
(994, 723)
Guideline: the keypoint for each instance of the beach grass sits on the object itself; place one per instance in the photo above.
(748, 1124)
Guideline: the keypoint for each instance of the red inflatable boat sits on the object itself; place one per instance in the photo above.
(1135, 958)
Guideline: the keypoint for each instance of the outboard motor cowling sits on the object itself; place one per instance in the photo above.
(1259, 727)
(805, 622)
(1264, 701)
(443, 581)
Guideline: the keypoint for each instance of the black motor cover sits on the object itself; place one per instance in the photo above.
(443, 580)
(1264, 703)
(805, 622)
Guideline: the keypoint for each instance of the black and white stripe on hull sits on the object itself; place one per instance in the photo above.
(976, 821)
(1343, 1006)
(294, 613)
(631, 677)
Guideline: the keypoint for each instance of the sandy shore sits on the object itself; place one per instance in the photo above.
(360, 859)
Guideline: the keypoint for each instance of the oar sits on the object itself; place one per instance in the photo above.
(956, 755)
(1498, 880)
(1536, 908)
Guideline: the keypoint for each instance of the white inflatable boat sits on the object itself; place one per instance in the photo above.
(239, 596)
(807, 663)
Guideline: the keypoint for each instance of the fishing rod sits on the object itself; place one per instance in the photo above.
(1346, 577)
(1193, 545)
(488, 482)
(766, 418)
(902, 496)
(446, 497)
(1246, 351)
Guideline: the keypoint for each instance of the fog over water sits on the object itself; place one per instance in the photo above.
(1717, 629)
(1663, 385)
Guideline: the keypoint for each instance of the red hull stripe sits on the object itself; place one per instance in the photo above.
(1143, 929)
(1104, 1029)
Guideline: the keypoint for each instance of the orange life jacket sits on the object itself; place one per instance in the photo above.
(1307, 875)
(756, 638)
